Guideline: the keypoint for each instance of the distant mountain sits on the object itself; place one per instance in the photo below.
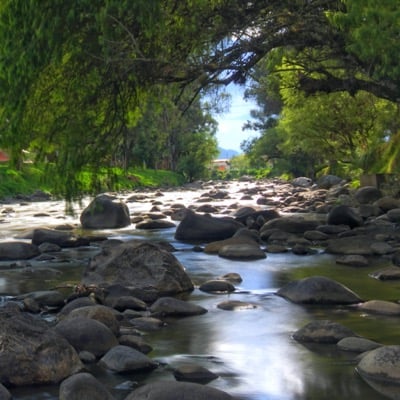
(227, 153)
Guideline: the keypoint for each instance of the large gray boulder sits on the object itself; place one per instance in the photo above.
(83, 386)
(17, 251)
(31, 352)
(58, 237)
(352, 245)
(105, 212)
(290, 224)
(170, 306)
(344, 215)
(324, 331)
(367, 194)
(318, 290)
(86, 334)
(151, 270)
(203, 228)
(170, 390)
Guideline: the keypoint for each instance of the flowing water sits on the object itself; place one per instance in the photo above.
(251, 350)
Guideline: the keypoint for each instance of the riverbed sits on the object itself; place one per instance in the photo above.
(251, 350)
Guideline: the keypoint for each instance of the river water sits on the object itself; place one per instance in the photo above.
(251, 350)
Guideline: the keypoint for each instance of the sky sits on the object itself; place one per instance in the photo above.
(230, 134)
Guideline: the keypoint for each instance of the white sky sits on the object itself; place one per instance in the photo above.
(230, 134)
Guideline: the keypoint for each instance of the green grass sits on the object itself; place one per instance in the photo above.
(33, 177)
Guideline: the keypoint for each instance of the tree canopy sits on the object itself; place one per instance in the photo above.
(77, 77)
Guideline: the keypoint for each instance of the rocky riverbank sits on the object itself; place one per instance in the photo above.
(130, 287)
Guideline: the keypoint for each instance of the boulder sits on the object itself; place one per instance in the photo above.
(98, 312)
(353, 260)
(382, 364)
(302, 181)
(236, 305)
(290, 225)
(17, 251)
(170, 390)
(344, 215)
(203, 228)
(388, 273)
(318, 290)
(194, 373)
(352, 245)
(367, 194)
(87, 334)
(126, 359)
(147, 324)
(322, 332)
(144, 266)
(244, 213)
(328, 181)
(394, 215)
(83, 386)
(387, 203)
(155, 224)
(45, 298)
(169, 306)
(136, 342)
(242, 251)
(357, 344)
(105, 212)
(31, 352)
(57, 237)
(380, 307)
(4, 393)
(217, 286)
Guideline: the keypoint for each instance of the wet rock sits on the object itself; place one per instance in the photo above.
(367, 194)
(217, 286)
(126, 359)
(76, 303)
(83, 386)
(4, 393)
(344, 215)
(17, 251)
(316, 236)
(394, 215)
(236, 305)
(215, 247)
(87, 334)
(47, 247)
(46, 298)
(357, 344)
(353, 260)
(318, 290)
(387, 203)
(31, 352)
(100, 313)
(290, 224)
(302, 181)
(60, 238)
(380, 307)
(352, 245)
(382, 364)
(170, 390)
(204, 228)
(194, 373)
(155, 224)
(128, 303)
(232, 277)
(388, 273)
(136, 342)
(147, 324)
(242, 251)
(322, 332)
(105, 212)
(244, 213)
(154, 272)
(329, 181)
(170, 306)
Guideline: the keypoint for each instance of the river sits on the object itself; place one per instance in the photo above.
(251, 350)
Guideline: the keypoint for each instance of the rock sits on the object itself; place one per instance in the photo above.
(357, 344)
(100, 313)
(83, 386)
(394, 215)
(215, 247)
(87, 334)
(380, 307)
(204, 228)
(352, 245)
(242, 251)
(318, 290)
(136, 342)
(126, 359)
(290, 225)
(60, 238)
(169, 306)
(170, 390)
(4, 393)
(31, 352)
(328, 181)
(17, 251)
(236, 305)
(46, 298)
(104, 212)
(217, 286)
(388, 273)
(316, 236)
(194, 373)
(382, 364)
(367, 194)
(147, 324)
(244, 213)
(155, 224)
(47, 247)
(322, 332)
(344, 215)
(353, 260)
(144, 266)
(387, 203)
(76, 303)
(128, 303)
(232, 277)
(302, 181)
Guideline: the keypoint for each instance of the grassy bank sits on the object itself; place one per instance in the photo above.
(33, 177)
